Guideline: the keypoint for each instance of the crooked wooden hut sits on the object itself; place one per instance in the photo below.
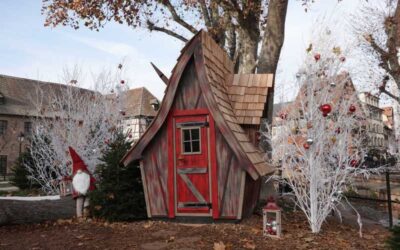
(199, 156)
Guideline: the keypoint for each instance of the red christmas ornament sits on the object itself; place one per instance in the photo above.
(283, 116)
(122, 81)
(325, 109)
(353, 163)
(306, 146)
(342, 59)
(352, 108)
(317, 57)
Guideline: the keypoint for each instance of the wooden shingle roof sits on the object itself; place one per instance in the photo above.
(219, 68)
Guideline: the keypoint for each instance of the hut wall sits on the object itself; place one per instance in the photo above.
(252, 191)
(229, 179)
(155, 166)
(252, 132)
(189, 94)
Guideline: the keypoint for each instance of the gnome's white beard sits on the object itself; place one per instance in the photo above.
(81, 182)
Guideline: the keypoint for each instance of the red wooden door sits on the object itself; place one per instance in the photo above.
(192, 174)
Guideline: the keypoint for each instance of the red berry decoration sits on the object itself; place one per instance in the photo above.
(122, 81)
(325, 109)
(306, 146)
(353, 163)
(317, 57)
(352, 108)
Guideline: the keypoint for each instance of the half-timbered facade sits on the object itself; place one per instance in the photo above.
(199, 156)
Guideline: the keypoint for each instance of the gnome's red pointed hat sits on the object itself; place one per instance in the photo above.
(77, 162)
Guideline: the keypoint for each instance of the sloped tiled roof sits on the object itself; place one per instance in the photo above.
(21, 93)
(138, 102)
(218, 68)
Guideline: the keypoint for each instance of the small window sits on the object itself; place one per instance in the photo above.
(3, 165)
(191, 141)
(2, 99)
(27, 128)
(3, 127)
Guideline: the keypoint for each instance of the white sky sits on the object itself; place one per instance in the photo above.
(27, 49)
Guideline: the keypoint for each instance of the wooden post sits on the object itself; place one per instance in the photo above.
(389, 198)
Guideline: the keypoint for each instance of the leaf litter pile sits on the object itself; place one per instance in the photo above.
(92, 234)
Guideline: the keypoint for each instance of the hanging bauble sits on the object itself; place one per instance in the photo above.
(317, 57)
(130, 136)
(283, 116)
(310, 141)
(325, 109)
(353, 163)
(122, 82)
(306, 146)
(342, 59)
(352, 108)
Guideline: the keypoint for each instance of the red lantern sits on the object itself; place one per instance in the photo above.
(306, 145)
(272, 223)
(317, 57)
(352, 108)
(325, 109)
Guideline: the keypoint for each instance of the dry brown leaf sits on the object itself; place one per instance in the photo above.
(249, 245)
(219, 246)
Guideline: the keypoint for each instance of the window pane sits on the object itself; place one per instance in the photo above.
(186, 135)
(196, 146)
(186, 147)
(195, 133)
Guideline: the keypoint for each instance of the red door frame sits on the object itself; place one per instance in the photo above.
(171, 159)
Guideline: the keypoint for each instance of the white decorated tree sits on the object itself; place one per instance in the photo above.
(71, 116)
(318, 139)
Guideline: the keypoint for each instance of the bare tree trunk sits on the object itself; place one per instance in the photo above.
(271, 46)
(248, 52)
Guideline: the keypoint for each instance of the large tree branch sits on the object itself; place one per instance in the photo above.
(152, 27)
(177, 18)
(206, 13)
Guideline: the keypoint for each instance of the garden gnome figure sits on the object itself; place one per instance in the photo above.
(82, 183)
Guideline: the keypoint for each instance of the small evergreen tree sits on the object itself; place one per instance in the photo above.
(119, 195)
(20, 174)
(394, 241)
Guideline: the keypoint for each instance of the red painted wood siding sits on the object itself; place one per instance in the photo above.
(155, 167)
(229, 178)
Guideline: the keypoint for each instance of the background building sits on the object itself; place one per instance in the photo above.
(17, 110)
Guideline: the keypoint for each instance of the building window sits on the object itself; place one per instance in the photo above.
(3, 127)
(3, 165)
(2, 99)
(27, 128)
(191, 141)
